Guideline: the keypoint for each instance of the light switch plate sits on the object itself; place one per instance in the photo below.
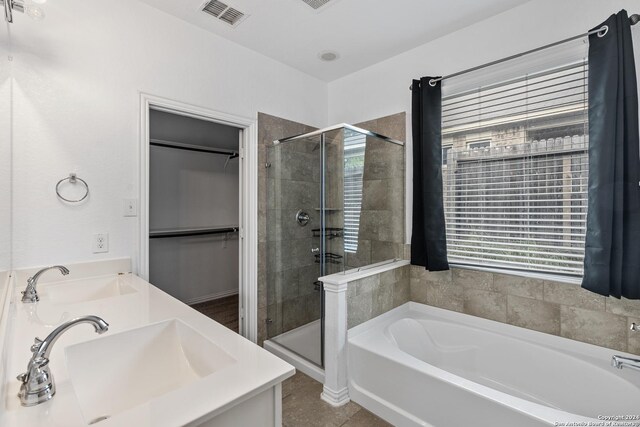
(130, 207)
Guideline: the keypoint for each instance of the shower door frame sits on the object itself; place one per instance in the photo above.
(248, 200)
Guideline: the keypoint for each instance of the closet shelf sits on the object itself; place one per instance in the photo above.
(190, 147)
(198, 231)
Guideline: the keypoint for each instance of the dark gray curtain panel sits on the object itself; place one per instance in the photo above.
(428, 238)
(612, 253)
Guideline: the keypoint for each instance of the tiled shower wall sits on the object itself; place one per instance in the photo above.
(286, 268)
(555, 308)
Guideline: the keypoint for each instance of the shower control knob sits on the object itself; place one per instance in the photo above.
(635, 327)
(315, 250)
(302, 218)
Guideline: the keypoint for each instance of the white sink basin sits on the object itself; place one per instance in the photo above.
(85, 290)
(121, 371)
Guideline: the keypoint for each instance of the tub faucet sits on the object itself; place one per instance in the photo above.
(37, 383)
(625, 362)
(30, 294)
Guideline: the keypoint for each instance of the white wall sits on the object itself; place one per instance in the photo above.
(77, 78)
(5, 154)
(383, 89)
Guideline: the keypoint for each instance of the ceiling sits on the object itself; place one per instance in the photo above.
(363, 32)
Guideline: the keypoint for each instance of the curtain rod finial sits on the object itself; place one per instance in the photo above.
(634, 19)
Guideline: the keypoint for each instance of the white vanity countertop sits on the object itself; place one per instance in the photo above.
(252, 370)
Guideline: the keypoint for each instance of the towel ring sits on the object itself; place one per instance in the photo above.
(73, 179)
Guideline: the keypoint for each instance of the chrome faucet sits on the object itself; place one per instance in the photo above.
(30, 294)
(625, 362)
(37, 383)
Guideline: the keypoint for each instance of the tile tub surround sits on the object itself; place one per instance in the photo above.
(367, 293)
(556, 308)
(371, 296)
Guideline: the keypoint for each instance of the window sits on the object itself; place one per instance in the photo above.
(479, 144)
(445, 153)
(519, 200)
(354, 148)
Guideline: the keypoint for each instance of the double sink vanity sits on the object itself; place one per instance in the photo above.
(101, 346)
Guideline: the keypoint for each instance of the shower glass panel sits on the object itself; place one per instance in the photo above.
(373, 197)
(335, 201)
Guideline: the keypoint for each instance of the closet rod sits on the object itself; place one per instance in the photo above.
(160, 234)
(190, 147)
(633, 19)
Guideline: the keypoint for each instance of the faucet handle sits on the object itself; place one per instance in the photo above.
(635, 327)
(37, 342)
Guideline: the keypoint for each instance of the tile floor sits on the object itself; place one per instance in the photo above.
(301, 403)
(222, 310)
(302, 407)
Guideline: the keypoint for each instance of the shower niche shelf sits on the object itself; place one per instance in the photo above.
(329, 258)
(330, 232)
(328, 210)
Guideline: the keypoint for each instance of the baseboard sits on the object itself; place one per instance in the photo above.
(211, 297)
(335, 398)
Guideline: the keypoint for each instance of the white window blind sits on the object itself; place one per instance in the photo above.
(521, 202)
(354, 150)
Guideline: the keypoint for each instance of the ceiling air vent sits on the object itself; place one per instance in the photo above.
(316, 4)
(223, 12)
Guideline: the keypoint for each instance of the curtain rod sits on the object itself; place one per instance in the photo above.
(633, 19)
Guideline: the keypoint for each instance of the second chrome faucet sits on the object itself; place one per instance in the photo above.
(30, 294)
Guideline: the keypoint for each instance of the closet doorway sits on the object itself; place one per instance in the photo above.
(194, 204)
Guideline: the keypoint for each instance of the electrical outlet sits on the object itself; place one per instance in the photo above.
(130, 207)
(100, 243)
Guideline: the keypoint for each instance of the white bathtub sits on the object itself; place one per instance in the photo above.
(422, 366)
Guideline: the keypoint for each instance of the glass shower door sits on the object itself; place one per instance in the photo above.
(295, 246)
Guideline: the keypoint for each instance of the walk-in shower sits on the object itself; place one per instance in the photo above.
(335, 202)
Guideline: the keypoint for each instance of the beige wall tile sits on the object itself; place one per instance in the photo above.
(368, 284)
(438, 276)
(418, 291)
(382, 299)
(359, 309)
(486, 304)
(623, 306)
(401, 293)
(262, 325)
(519, 286)
(473, 279)
(395, 275)
(445, 294)
(407, 252)
(362, 257)
(418, 272)
(383, 251)
(572, 295)
(633, 337)
(594, 327)
(533, 314)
